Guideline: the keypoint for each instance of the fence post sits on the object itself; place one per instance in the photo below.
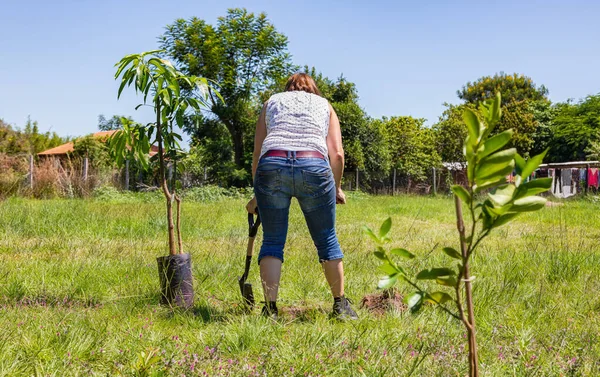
(31, 171)
(434, 183)
(356, 188)
(205, 176)
(127, 175)
(394, 183)
(85, 168)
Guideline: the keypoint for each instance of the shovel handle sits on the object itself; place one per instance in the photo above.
(253, 224)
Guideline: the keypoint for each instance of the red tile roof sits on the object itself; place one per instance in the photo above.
(68, 147)
(61, 149)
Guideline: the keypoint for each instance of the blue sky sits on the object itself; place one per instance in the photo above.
(407, 58)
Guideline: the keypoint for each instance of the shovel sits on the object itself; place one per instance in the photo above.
(246, 288)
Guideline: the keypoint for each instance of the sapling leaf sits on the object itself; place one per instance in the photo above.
(497, 162)
(502, 195)
(387, 281)
(451, 252)
(437, 297)
(447, 281)
(402, 253)
(414, 301)
(388, 269)
(528, 204)
(473, 125)
(462, 193)
(519, 164)
(494, 143)
(371, 234)
(380, 255)
(501, 220)
(533, 164)
(385, 227)
(533, 187)
(435, 273)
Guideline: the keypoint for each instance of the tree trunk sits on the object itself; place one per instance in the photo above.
(238, 148)
(163, 184)
(470, 320)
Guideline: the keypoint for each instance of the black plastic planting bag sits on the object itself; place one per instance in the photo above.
(175, 272)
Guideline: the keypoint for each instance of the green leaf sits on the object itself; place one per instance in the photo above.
(387, 281)
(447, 281)
(371, 234)
(491, 165)
(473, 125)
(489, 183)
(402, 253)
(452, 253)
(501, 220)
(438, 297)
(519, 163)
(388, 269)
(494, 143)
(494, 172)
(502, 195)
(528, 204)
(380, 255)
(533, 164)
(435, 273)
(414, 301)
(462, 193)
(385, 227)
(533, 187)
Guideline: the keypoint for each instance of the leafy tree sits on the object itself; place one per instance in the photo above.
(411, 146)
(575, 126)
(488, 162)
(544, 114)
(450, 132)
(29, 140)
(114, 123)
(365, 144)
(151, 75)
(244, 55)
(512, 88)
(519, 94)
(95, 149)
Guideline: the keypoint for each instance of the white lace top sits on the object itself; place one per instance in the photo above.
(296, 121)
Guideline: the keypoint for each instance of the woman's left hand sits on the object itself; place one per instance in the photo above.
(251, 207)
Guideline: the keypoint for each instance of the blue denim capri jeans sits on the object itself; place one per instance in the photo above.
(310, 181)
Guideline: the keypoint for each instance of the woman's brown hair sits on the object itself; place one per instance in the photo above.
(302, 82)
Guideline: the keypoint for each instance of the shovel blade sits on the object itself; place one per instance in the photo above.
(248, 295)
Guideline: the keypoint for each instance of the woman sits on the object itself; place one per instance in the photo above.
(298, 153)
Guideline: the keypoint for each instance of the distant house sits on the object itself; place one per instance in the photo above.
(62, 151)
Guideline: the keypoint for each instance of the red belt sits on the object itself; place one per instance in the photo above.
(299, 154)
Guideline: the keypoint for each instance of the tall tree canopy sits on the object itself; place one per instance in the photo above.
(114, 123)
(519, 96)
(512, 88)
(364, 140)
(575, 129)
(450, 133)
(412, 146)
(244, 55)
(28, 140)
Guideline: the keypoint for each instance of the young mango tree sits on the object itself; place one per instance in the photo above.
(488, 164)
(172, 95)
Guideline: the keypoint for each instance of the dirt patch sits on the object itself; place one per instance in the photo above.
(301, 313)
(554, 204)
(380, 303)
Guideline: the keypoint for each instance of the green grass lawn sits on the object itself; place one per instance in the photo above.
(79, 294)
